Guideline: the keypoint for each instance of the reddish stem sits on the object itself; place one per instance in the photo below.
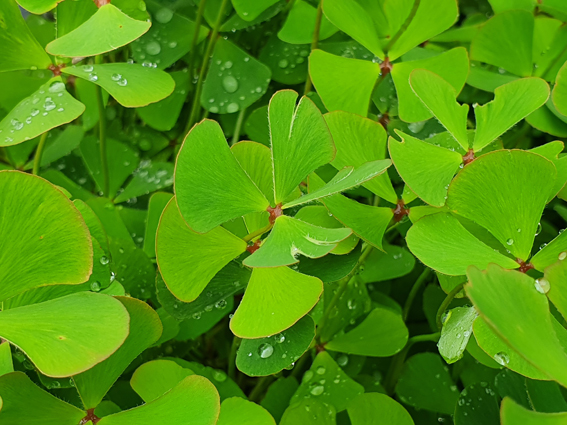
(56, 69)
(524, 267)
(400, 211)
(254, 247)
(90, 417)
(386, 67)
(468, 157)
(100, 3)
(274, 212)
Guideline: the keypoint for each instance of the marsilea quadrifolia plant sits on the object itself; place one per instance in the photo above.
(294, 212)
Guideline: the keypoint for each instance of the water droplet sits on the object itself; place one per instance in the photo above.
(87, 68)
(280, 338)
(230, 84)
(228, 64)
(172, 45)
(116, 77)
(304, 53)
(563, 255)
(538, 231)
(221, 304)
(321, 370)
(219, 376)
(34, 112)
(196, 316)
(351, 304)
(104, 260)
(510, 242)
(317, 390)
(542, 285)
(265, 350)
(342, 361)
(95, 286)
(416, 127)
(283, 63)
(163, 16)
(232, 107)
(214, 109)
(153, 48)
(502, 358)
(18, 125)
(49, 104)
(93, 77)
(56, 87)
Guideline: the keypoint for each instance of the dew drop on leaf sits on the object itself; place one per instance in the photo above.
(95, 286)
(232, 107)
(562, 255)
(56, 87)
(317, 390)
(265, 350)
(104, 260)
(542, 285)
(502, 358)
(510, 241)
(342, 361)
(153, 48)
(164, 15)
(230, 84)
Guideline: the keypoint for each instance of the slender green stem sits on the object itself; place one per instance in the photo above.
(39, 153)
(414, 290)
(399, 359)
(392, 227)
(403, 28)
(314, 43)
(343, 285)
(261, 385)
(232, 357)
(195, 108)
(297, 369)
(238, 126)
(192, 52)
(102, 136)
(443, 307)
(257, 233)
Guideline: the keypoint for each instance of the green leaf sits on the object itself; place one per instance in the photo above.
(487, 290)
(512, 102)
(288, 62)
(158, 202)
(359, 140)
(210, 184)
(550, 253)
(274, 300)
(122, 162)
(108, 29)
(330, 268)
(555, 275)
(39, 222)
(559, 95)
(500, 353)
(163, 115)
(60, 336)
(440, 98)
(188, 260)
(132, 85)
(268, 356)
(227, 282)
(486, 192)
(326, 382)
(148, 177)
(551, 151)
(512, 414)
(343, 83)
(24, 402)
(256, 161)
(546, 396)
(60, 146)
(441, 242)
(506, 41)
(373, 408)
(145, 329)
(299, 25)
(452, 66)
(383, 333)
(48, 107)
(194, 399)
(431, 18)
(278, 395)
(455, 334)
(6, 364)
(425, 383)
(250, 10)
(309, 412)
(345, 179)
(478, 404)
(353, 18)
(291, 237)
(300, 140)
(20, 49)
(168, 39)
(155, 378)
(436, 167)
(237, 411)
(235, 80)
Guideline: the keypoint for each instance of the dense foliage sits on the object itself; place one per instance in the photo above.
(270, 211)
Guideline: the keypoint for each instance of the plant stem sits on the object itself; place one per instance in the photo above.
(39, 153)
(198, 19)
(314, 43)
(343, 285)
(257, 233)
(232, 357)
(443, 307)
(414, 290)
(102, 136)
(300, 363)
(238, 126)
(204, 67)
(261, 385)
(399, 359)
(403, 28)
